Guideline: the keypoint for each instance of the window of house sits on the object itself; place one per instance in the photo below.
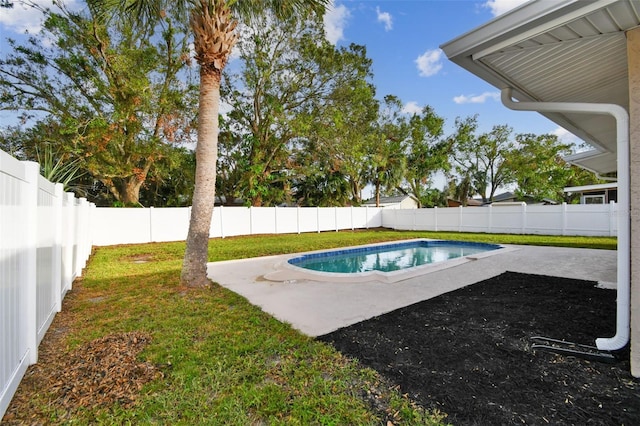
(593, 199)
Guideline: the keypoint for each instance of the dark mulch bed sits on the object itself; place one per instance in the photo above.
(468, 353)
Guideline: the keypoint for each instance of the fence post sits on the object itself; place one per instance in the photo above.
(298, 218)
(335, 215)
(275, 215)
(366, 217)
(250, 220)
(151, 224)
(69, 239)
(318, 218)
(81, 218)
(613, 218)
(460, 219)
(490, 218)
(221, 208)
(415, 213)
(524, 218)
(435, 218)
(564, 219)
(30, 205)
(351, 211)
(58, 285)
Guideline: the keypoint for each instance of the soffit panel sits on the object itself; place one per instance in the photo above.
(603, 163)
(561, 71)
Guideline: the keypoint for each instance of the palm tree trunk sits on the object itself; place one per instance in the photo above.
(194, 266)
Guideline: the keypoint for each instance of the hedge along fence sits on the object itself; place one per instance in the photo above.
(44, 245)
(142, 225)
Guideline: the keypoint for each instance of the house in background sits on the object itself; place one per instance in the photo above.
(504, 199)
(595, 194)
(397, 202)
(470, 203)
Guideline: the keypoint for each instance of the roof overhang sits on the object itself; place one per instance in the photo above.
(588, 188)
(559, 51)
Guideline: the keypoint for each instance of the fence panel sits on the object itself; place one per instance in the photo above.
(545, 220)
(326, 219)
(263, 220)
(475, 220)
(47, 273)
(575, 219)
(168, 224)
(506, 219)
(589, 219)
(287, 220)
(448, 219)
(121, 226)
(14, 342)
(41, 232)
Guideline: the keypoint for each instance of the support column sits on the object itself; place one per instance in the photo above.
(633, 57)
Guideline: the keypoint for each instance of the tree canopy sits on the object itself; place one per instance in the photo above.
(301, 122)
(114, 99)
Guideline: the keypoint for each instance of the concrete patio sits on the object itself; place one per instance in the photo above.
(317, 308)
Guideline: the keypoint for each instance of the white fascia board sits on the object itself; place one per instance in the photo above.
(502, 25)
(547, 25)
(585, 188)
(526, 21)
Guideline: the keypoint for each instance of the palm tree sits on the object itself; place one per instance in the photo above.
(213, 23)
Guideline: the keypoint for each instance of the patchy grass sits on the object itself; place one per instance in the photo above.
(221, 359)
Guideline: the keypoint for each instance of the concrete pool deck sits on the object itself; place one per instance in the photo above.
(317, 308)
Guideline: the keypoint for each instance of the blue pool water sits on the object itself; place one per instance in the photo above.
(389, 257)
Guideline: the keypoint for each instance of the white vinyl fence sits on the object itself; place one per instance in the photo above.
(44, 245)
(138, 225)
(142, 225)
(562, 219)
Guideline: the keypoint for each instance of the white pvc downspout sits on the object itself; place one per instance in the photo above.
(621, 116)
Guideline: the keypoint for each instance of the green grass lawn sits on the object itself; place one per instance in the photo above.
(225, 361)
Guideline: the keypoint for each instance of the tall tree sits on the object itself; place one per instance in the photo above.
(481, 160)
(341, 131)
(540, 171)
(427, 153)
(387, 156)
(111, 98)
(289, 78)
(213, 23)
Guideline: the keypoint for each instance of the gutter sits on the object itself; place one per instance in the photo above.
(621, 116)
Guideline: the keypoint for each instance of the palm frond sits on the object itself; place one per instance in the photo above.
(58, 171)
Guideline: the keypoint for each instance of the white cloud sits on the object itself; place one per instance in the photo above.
(498, 7)
(385, 18)
(335, 20)
(412, 107)
(476, 99)
(429, 63)
(22, 18)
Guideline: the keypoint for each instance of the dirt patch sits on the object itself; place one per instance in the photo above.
(97, 374)
(140, 258)
(468, 353)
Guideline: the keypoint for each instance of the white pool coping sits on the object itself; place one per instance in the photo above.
(315, 308)
(286, 272)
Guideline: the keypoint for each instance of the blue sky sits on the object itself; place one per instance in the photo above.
(402, 39)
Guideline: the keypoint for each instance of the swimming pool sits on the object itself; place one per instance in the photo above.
(389, 257)
(389, 262)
